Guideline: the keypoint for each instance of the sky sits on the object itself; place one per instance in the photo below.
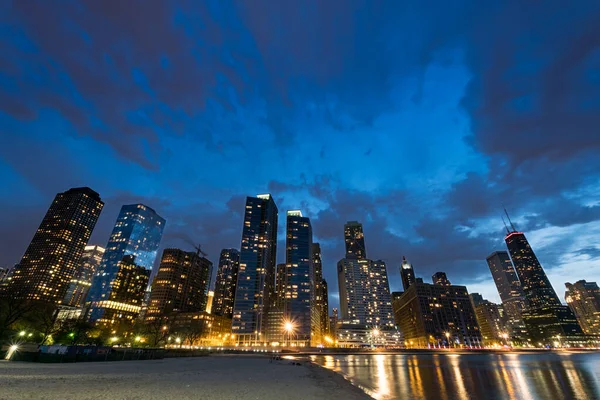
(422, 120)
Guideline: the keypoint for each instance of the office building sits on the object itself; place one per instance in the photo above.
(325, 330)
(491, 323)
(209, 301)
(584, 300)
(440, 278)
(299, 295)
(180, 285)
(318, 330)
(51, 260)
(256, 276)
(432, 315)
(355, 240)
(79, 286)
(135, 236)
(226, 283)
(407, 273)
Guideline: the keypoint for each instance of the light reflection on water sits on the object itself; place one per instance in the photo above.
(471, 376)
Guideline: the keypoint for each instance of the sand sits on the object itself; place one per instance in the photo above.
(209, 378)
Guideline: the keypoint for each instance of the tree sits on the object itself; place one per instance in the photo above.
(13, 308)
(156, 330)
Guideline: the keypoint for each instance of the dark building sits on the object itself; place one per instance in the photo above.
(82, 280)
(536, 286)
(180, 285)
(4, 272)
(51, 260)
(584, 300)
(256, 276)
(548, 325)
(440, 278)
(299, 276)
(407, 273)
(124, 303)
(508, 285)
(317, 310)
(325, 326)
(355, 240)
(137, 233)
(226, 283)
(435, 315)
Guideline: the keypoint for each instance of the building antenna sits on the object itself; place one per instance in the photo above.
(511, 224)
(505, 226)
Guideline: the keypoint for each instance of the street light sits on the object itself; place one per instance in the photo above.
(288, 327)
(22, 333)
(448, 338)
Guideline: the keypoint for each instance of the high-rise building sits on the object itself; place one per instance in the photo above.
(355, 240)
(209, 301)
(407, 273)
(508, 285)
(180, 285)
(137, 234)
(325, 330)
(584, 300)
(437, 315)
(226, 283)
(51, 260)
(4, 273)
(365, 297)
(491, 323)
(317, 329)
(299, 295)
(256, 276)
(82, 280)
(440, 278)
(536, 285)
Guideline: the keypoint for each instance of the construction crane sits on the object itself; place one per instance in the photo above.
(197, 247)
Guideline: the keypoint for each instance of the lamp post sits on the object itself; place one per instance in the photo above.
(448, 338)
(288, 327)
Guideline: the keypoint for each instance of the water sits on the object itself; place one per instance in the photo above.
(471, 376)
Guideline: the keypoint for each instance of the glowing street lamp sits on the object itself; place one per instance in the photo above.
(448, 338)
(114, 339)
(22, 333)
(288, 327)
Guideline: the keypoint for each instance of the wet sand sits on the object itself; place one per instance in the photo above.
(210, 378)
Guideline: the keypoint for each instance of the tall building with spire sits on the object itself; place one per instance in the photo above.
(131, 249)
(226, 282)
(299, 291)
(256, 276)
(51, 259)
(407, 273)
(355, 240)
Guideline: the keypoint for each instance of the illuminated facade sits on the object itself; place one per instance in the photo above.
(136, 236)
(584, 300)
(440, 278)
(407, 273)
(437, 315)
(226, 283)
(256, 275)
(364, 292)
(491, 323)
(124, 302)
(508, 285)
(536, 286)
(52, 258)
(355, 240)
(299, 288)
(324, 309)
(82, 280)
(317, 310)
(199, 329)
(181, 284)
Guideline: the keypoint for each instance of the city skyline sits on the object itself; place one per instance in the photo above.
(397, 115)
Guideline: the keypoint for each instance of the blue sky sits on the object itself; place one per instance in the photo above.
(420, 120)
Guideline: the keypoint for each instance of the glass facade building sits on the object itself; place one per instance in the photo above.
(299, 291)
(226, 282)
(82, 280)
(256, 276)
(53, 256)
(136, 235)
(584, 300)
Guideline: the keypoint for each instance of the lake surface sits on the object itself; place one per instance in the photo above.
(520, 376)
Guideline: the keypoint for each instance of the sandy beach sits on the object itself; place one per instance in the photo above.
(215, 377)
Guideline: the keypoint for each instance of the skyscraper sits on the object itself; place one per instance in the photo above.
(491, 324)
(440, 278)
(325, 326)
(507, 283)
(256, 276)
(584, 300)
(355, 240)
(180, 285)
(226, 283)
(536, 286)
(137, 233)
(407, 273)
(51, 260)
(79, 286)
(317, 329)
(299, 296)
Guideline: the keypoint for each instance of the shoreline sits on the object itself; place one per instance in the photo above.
(218, 377)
